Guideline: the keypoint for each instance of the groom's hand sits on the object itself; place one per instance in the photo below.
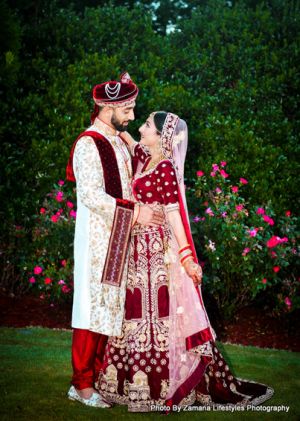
(150, 216)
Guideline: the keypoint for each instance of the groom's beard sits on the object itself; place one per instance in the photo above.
(118, 125)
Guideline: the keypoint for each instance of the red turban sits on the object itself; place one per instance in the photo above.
(115, 94)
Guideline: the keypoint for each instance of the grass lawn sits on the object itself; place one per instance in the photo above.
(36, 370)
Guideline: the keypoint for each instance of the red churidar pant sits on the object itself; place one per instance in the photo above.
(87, 355)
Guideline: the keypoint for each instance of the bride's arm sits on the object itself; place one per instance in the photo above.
(167, 185)
(136, 149)
(192, 269)
(174, 219)
(128, 139)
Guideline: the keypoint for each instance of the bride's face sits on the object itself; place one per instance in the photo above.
(149, 135)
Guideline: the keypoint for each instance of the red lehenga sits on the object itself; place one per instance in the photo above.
(136, 364)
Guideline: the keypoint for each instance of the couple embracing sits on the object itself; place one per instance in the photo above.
(141, 335)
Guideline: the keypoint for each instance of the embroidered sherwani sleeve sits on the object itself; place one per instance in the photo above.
(89, 178)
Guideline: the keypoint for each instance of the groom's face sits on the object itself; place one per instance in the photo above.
(121, 116)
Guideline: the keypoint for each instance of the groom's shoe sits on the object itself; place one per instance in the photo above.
(95, 400)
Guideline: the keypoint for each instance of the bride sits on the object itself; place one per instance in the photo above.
(166, 354)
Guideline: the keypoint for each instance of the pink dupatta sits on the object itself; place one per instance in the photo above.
(190, 331)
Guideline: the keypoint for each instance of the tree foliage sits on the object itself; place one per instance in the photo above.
(230, 69)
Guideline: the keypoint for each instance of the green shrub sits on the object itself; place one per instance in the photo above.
(49, 270)
(230, 71)
(247, 249)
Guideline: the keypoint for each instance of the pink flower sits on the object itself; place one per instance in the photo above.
(215, 167)
(61, 182)
(42, 210)
(196, 219)
(54, 218)
(246, 251)
(213, 174)
(42, 296)
(260, 211)
(65, 289)
(264, 281)
(70, 204)
(218, 190)
(63, 263)
(200, 173)
(32, 280)
(223, 163)
(235, 189)
(224, 174)
(288, 213)
(275, 241)
(243, 180)
(268, 219)
(205, 203)
(273, 255)
(288, 302)
(59, 196)
(37, 270)
(73, 214)
(239, 208)
(209, 212)
(276, 269)
(61, 282)
(253, 232)
(47, 281)
(224, 214)
(203, 219)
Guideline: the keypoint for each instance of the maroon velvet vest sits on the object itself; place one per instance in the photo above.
(108, 158)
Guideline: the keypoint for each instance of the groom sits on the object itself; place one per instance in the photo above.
(100, 164)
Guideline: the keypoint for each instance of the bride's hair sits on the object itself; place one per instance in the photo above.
(159, 119)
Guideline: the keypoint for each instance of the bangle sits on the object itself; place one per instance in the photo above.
(185, 253)
(184, 248)
(186, 258)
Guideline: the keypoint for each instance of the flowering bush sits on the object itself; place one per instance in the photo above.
(248, 250)
(50, 270)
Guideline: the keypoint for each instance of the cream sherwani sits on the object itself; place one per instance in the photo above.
(97, 306)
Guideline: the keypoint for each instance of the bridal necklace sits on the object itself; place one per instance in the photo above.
(153, 162)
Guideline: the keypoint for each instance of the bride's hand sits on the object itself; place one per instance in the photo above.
(194, 271)
(128, 138)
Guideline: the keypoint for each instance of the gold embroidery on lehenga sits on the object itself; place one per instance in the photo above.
(109, 381)
(144, 341)
(137, 331)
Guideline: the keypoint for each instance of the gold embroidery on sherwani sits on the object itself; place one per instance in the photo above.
(106, 302)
